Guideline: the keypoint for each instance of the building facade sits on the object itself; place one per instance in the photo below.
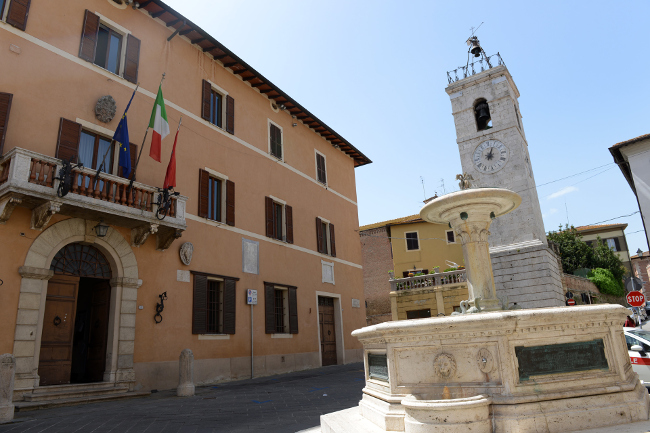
(404, 246)
(97, 287)
(632, 158)
(641, 269)
(611, 234)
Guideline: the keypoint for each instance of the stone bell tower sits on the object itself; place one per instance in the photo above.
(494, 150)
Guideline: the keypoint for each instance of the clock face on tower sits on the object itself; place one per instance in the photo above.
(490, 156)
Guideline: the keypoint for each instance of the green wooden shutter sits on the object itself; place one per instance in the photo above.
(5, 108)
(68, 142)
(89, 33)
(230, 203)
(131, 66)
(229, 306)
(18, 13)
(293, 310)
(200, 307)
(269, 308)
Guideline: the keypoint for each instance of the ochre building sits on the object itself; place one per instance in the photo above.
(98, 289)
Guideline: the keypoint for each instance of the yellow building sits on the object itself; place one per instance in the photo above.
(410, 245)
(611, 234)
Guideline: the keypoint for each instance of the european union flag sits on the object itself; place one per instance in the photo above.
(122, 137)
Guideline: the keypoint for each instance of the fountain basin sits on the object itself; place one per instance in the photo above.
(457, 415)
(477, 203)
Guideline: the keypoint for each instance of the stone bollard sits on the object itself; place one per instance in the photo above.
(185, 374)
(7, 372)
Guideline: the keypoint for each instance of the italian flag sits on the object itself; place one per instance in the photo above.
(159, 125)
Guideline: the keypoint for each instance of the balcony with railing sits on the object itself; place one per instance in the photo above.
(28, 179)
(480, 65)
(429, 281)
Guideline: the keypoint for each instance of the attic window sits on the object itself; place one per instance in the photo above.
(482, 115)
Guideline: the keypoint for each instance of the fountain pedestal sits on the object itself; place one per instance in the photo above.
(550, 370)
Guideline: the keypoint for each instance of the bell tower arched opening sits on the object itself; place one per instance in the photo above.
(76, 319)
(482, 115)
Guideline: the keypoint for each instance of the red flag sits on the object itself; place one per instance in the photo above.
(170, 177)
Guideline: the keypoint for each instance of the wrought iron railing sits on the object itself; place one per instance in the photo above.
(429, 280)
(470, 69)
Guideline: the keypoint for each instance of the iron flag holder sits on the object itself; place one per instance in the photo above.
(160, 306)
(65, 176)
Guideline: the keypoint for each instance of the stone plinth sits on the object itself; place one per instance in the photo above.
(185, 374)
(7, 373)
(523, 361)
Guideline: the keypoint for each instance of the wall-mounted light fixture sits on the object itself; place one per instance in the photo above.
(294, 124)
(160, 306)
(101, 229)
(282, 107)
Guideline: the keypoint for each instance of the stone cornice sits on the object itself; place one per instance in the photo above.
(133, 283)
(35, 273)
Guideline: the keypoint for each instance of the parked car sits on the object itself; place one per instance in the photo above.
(638, 348)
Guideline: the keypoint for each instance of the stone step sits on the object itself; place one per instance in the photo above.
(73, 386)
(75, 393)
(48, 404)
(348, 421)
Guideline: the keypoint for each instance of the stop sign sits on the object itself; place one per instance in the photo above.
(570, 302)
(635, 299)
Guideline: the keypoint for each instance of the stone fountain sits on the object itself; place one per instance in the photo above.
(494, 369)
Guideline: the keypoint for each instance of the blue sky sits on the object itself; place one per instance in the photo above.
(375, 71)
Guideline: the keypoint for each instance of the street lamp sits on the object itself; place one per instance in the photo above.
(639, 252)
(101, 229)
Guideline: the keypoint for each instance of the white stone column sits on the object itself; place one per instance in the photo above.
(7, 372)
(29, 325)
(185, 374)
(121, 345)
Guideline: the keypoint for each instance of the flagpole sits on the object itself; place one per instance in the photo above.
(143, 142)
(111, 145)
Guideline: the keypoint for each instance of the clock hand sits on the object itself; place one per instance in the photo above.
(489, 156)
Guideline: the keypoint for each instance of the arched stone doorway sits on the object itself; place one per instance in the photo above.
(36, 274)
(75, 323)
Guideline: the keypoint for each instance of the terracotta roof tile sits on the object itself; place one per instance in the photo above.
(600, 226)
(396, 221)
(632, 140)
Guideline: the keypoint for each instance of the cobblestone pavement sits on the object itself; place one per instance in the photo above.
(283, 403)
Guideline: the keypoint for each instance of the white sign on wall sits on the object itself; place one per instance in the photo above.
(356, 303)
(250, 256)
(251, 297)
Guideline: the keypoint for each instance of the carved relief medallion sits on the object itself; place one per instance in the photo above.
(186, 253)
(445, 365)
(105, 109)
(485, 360)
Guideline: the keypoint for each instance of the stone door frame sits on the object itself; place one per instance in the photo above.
(33, 291)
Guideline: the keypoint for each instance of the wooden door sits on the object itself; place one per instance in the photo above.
(58, 330)
(327, 332)
(98, 324)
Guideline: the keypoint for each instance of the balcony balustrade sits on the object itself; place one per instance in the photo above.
(429, 280)
(28, 179)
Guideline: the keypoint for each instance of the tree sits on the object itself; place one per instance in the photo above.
(577, 254)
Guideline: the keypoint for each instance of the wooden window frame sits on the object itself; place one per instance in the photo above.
(417, 238)
(123, 37)
(318, 172)
(281, 319)
(3, 9)
(217, 114)
(269, 130)
(219, 282)
(272, 224)
(447, 237)
(326, 228)
(289, 309)
(228, 307)
(96, 155)
(216, 206)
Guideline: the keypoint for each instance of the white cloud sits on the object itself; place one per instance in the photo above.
(549, 213)
(562, 192)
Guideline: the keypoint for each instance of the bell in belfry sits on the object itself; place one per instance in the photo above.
(475, 46)
(482, 111)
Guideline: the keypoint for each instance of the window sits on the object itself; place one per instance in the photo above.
(217, 104)
(92, 148)
(613, 244)
(321, 171)
(451, 237)
(412, 242)
(275, 140)
(5, 108)
(418, 314)
(325, 239)
(281, 309)
(103, 43)
(279, 219)
(109, 49)
(17, 12)
(215, 307)
(213, 310)
(216, 197)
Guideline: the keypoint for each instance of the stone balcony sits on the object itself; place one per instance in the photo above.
(439, 293)
(27, 180)
(429, 280)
